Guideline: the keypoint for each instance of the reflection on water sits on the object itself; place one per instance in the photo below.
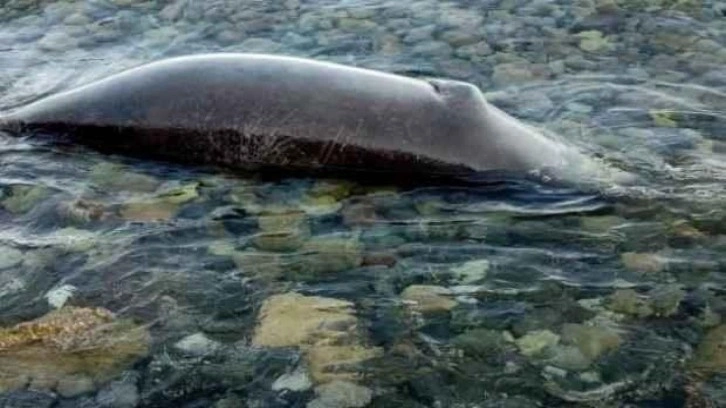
(130, 283)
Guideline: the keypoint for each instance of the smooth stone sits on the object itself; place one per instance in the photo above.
(472, 271)
(262, 45)
(593, 41)
(330, 363)
(569, 357)
(24, 198)
(115, 177)
(511, 74)
(535, 342)
(293, 320)
(74, 386)
(341, 394)
(642, 262)
(10, 257)
(281, 241)
(119, 394)
(437, 48)
(148, 211)
(297, 381)
(57, 41)
(330, 254)
(419, 34)
(664, 300)
(627, 301)
(197, 344)
(429, 298)
(59, 296)
(709, 356)
(593, 341)
(459, 38)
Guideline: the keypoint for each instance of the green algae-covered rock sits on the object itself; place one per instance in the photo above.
(23, 198)
(710, 355)
(115, 177)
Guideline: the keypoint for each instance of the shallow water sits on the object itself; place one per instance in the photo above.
(227, 289)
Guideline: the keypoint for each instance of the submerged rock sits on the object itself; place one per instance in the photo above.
(148, 211)
(298, 380)
(710, 355)
(23, 198)
(330, 363)
(472, 271)
(10, 257)
(593, 341)
(281, 231)
(330, 254)
(341, 394)
(162, 206)
(627, 301)
(291, 320)
(197, 344)
(114, 177)
(429, 298)
(81, 211)
(536, 342)
(664, 300)
(70, 350)
(643, 262)
(481, 343)
(325, 329)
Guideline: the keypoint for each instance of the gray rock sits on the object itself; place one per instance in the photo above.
(10, 257)
(475, 52)
(57, 41)
(313, 22)
(118, 394)
(458, 37)
(27, 399)
(438, 48)
(260, 45)
(419, 34)
(173, 11)
(341, 394)
(74, 386)
(511, 74)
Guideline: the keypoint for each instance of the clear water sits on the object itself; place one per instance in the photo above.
(517, 295)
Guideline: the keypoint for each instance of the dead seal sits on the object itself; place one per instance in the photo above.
(256, 112)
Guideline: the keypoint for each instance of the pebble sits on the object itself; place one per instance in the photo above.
(511, 74)
(260, 45)
(341, 394)
(197, 344)
(118, 394)
(10, 257)
(537, 341)
(57, 41)
(299, 380)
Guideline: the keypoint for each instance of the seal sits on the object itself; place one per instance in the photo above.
(269, 112)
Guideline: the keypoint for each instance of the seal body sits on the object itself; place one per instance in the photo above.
(254, 111)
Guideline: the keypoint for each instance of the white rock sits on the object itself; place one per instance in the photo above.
(197, 345)
(472, 271)
(298, 380)
(59, 296)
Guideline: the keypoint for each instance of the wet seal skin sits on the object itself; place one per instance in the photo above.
(284, 114)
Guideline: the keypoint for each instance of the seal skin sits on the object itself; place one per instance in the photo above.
(256, 112)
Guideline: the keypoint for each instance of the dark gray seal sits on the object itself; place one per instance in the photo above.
(254, 111)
